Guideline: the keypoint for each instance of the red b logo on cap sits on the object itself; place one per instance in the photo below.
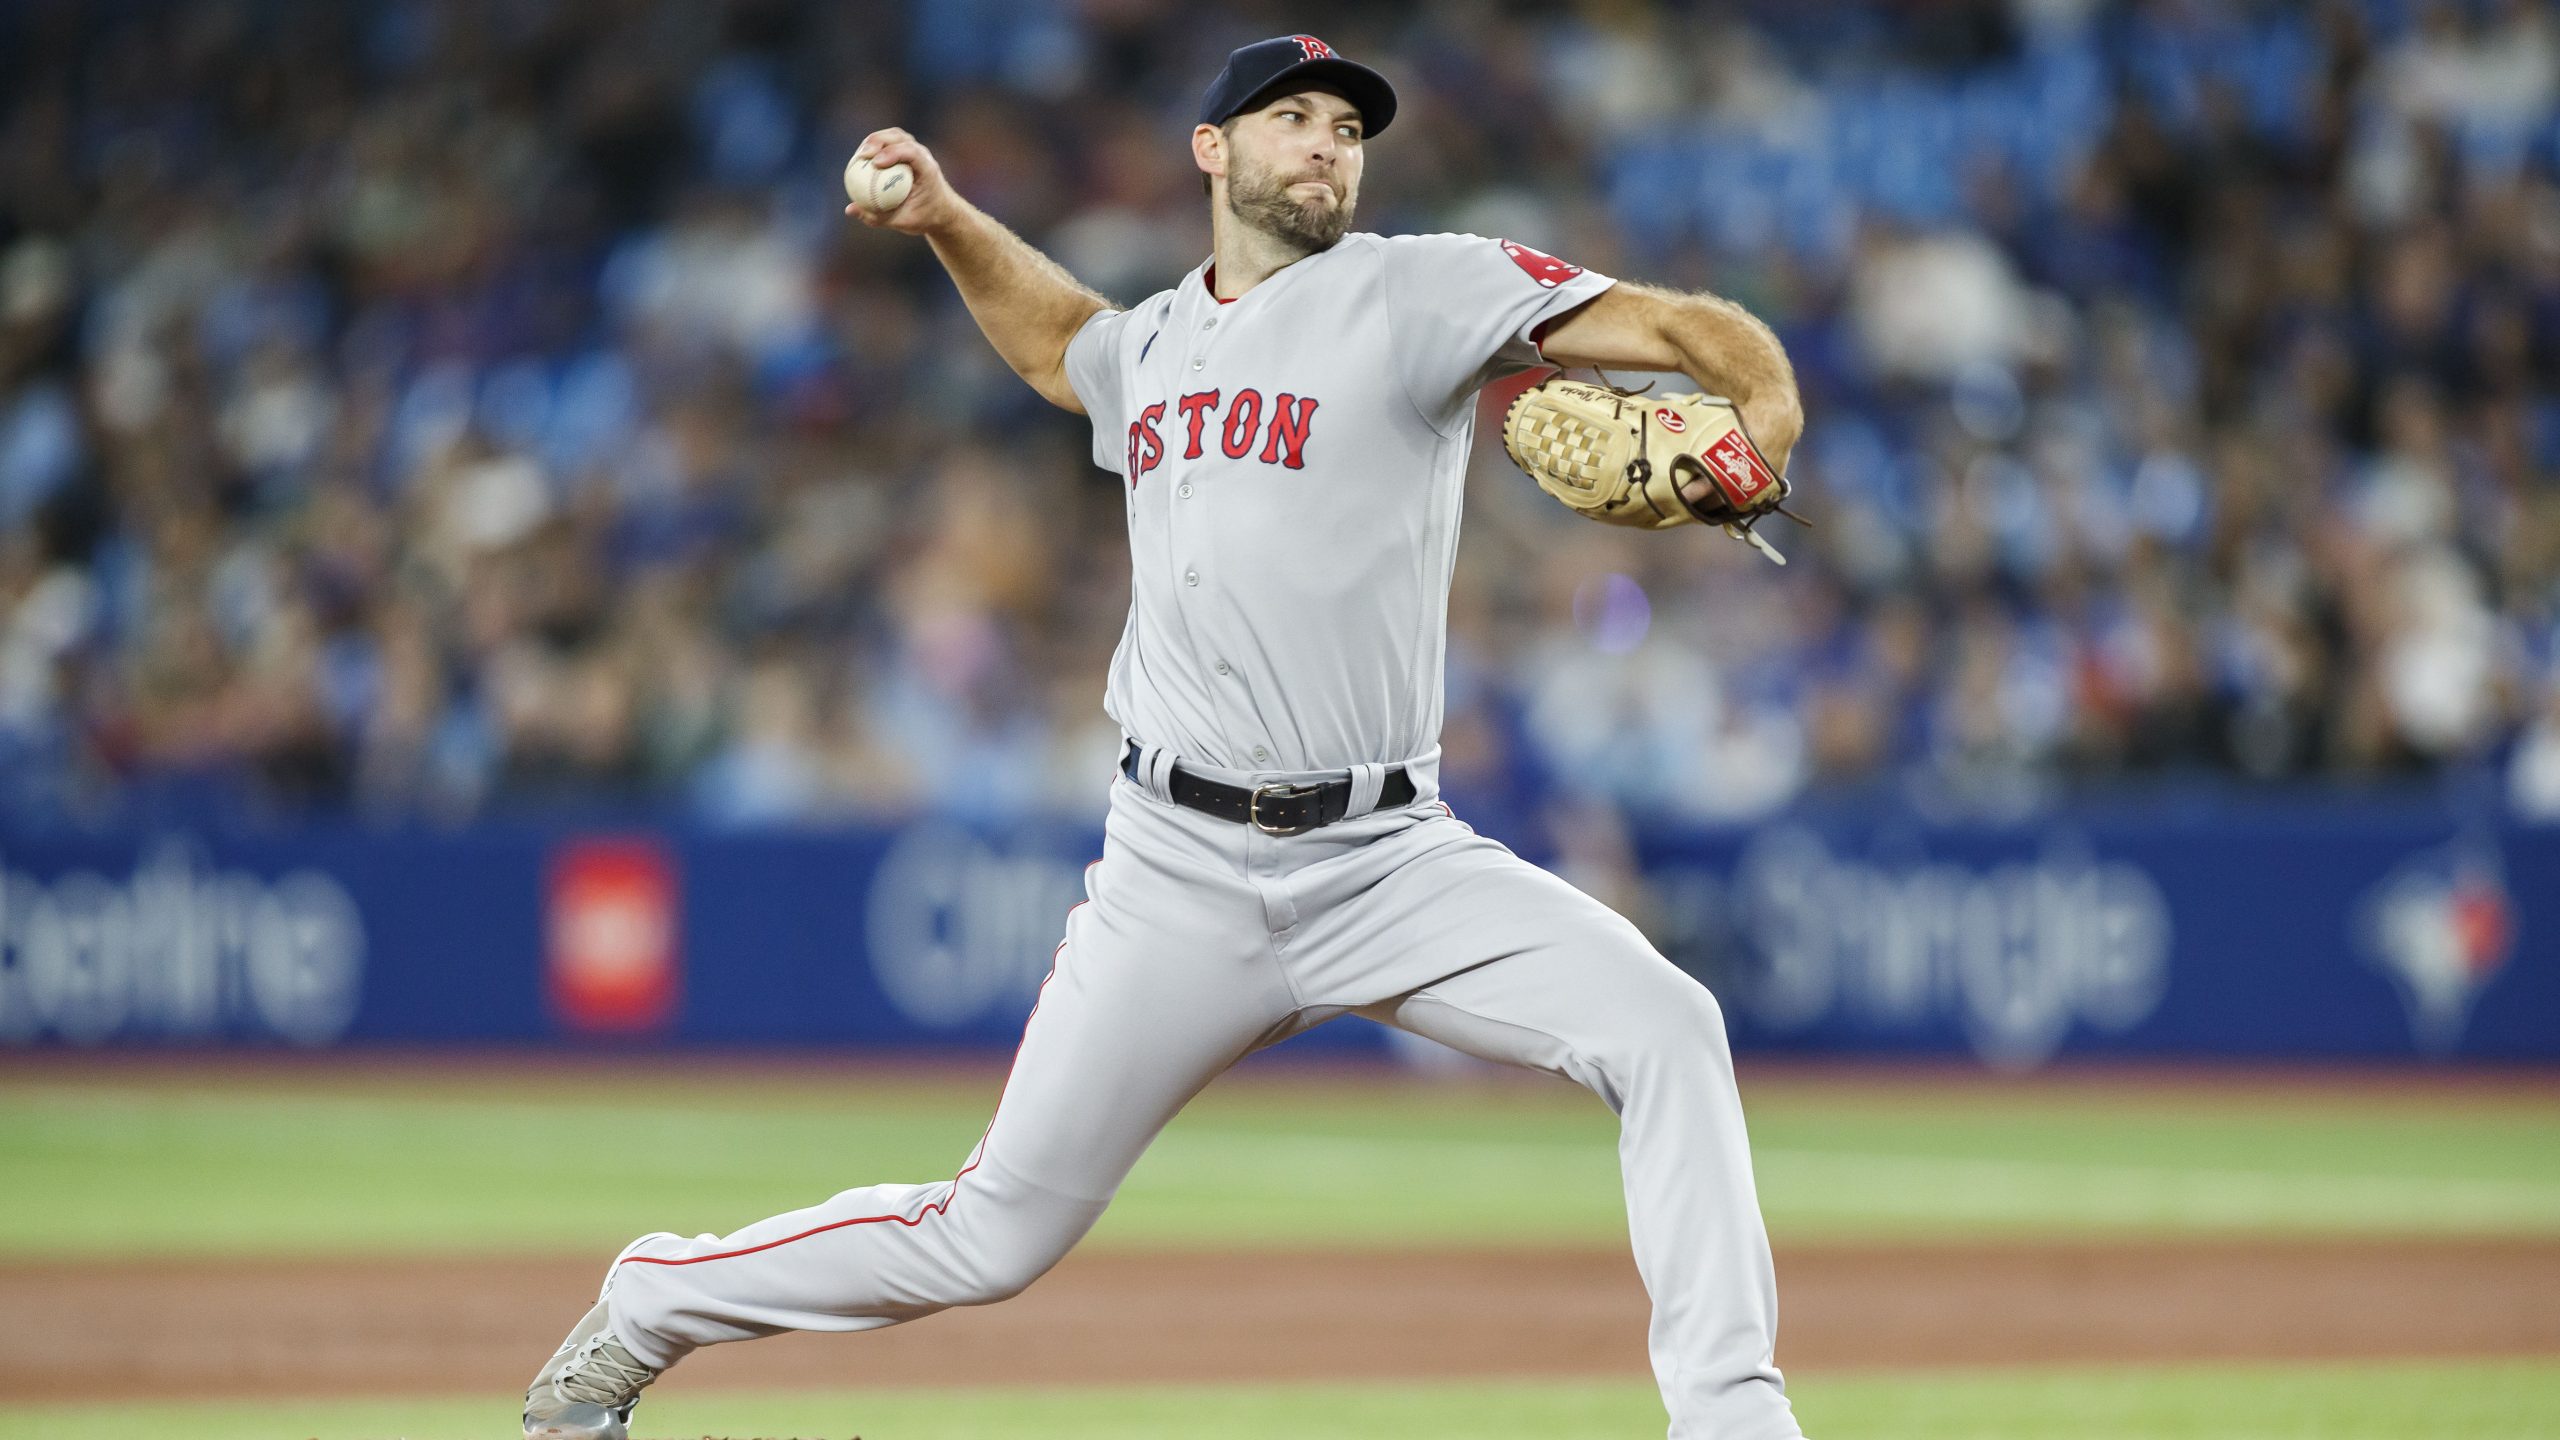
(1314, 49)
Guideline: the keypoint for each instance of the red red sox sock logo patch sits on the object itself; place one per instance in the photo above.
(1313, 48)
(1540, 266)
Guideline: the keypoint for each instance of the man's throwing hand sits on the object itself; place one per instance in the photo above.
(930, 202)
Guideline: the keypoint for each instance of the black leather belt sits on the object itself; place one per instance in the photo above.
(1274, 809)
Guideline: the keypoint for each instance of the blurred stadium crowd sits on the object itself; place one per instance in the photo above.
(432, 410)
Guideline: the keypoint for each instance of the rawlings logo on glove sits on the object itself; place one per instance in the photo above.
(1623, 459)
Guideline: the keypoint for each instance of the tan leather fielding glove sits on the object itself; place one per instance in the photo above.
(1649, 461)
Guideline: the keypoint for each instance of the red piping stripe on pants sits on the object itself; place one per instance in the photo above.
(938, 1207)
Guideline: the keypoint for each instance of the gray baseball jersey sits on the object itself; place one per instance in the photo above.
(1293, 463)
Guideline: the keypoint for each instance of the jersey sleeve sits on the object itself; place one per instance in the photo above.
(1101, 383)
(1464, 310)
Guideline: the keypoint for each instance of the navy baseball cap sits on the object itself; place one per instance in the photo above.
(1259, 70)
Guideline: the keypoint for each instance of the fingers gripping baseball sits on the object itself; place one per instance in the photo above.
(929, 201)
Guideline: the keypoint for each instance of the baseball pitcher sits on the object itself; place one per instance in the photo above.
(1290, 424)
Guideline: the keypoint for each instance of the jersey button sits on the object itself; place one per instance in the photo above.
(1190, 577)
(1261, 754)
(1222, 667)
(1212, 325)
(1183, 490)
(1196, 364)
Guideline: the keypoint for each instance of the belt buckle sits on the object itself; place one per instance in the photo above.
(1253, 807)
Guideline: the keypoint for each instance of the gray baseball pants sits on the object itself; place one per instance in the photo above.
(1203, 940)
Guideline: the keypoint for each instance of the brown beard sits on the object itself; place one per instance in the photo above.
(1260, 198)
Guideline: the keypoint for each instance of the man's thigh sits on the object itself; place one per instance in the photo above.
(1164, 978)
(1474, 947)
(1450, 901)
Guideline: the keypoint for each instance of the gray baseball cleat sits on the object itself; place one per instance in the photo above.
(592, 1382)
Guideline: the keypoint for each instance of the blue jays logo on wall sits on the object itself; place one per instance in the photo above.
(2442, 925)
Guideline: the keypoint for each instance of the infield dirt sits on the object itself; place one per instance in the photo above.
(158, 1329)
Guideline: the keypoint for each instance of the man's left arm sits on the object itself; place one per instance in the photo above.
(1708, 338)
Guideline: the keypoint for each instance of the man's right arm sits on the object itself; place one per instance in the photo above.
(1027, 303)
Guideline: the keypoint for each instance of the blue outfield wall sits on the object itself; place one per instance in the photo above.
(2335, 933)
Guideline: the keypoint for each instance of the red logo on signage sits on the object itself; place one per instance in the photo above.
(1546, 269)
(612, 957)
(1313, 48)
(1738, 468)
(1670, 419)
(2483, 929)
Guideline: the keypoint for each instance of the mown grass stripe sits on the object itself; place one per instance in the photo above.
(2511, 1400)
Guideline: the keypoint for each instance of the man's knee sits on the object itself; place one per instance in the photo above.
(1004, 1258)
(1678, 1026)
(988, 1283)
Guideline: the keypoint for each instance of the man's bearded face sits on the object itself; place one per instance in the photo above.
(1259, 195)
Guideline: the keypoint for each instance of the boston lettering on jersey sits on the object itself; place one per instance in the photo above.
(1210, 417)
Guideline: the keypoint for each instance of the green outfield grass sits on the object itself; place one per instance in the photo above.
(345, 1162)
(2470, 1401)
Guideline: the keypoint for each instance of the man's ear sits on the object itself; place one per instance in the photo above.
(1209, 149)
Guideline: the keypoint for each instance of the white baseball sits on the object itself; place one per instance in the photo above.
(876, 190)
